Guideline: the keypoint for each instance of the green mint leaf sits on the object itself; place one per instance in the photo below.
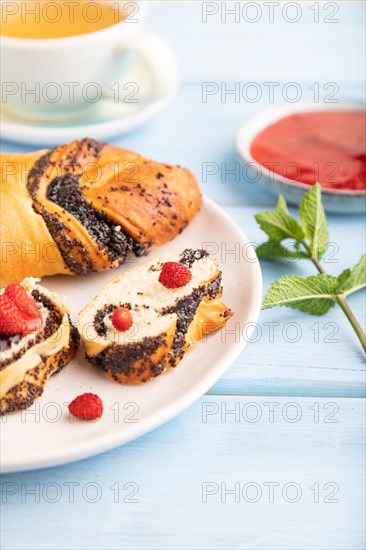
(279, 225)
(314, 221)
(342, 278)
(314, 295)
(281, 205)
(271, 250)
(352, 280)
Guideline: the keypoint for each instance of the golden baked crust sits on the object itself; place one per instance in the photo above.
(27, 247)
(85, 206)
(22, 395)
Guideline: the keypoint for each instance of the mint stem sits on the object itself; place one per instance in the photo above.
(352, 319)
(340, 299)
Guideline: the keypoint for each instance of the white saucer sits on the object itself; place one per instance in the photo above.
(109, 118)
(45, 434)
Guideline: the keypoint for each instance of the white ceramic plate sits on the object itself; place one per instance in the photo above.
(45, 435)
(341, 201)
(109, 118)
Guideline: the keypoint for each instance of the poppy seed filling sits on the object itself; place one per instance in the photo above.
(65, 191)
(122, 359)
(189, 256)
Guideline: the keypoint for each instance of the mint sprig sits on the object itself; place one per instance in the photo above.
(308, 239)
(279, 225)
(312, 295)
(351, 281)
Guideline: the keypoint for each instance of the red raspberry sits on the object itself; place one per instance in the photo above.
(87, 406)
(25, 303)
(18, 311)
(31, 325)
(174, 275)
(122, 319)
(10, 319)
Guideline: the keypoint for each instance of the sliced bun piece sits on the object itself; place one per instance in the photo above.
(166, 322)
(28, 361)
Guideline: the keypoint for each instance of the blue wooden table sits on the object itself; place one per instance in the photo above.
(273, 456)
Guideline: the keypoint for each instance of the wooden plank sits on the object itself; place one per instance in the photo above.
(179, 474)
(248, 46)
